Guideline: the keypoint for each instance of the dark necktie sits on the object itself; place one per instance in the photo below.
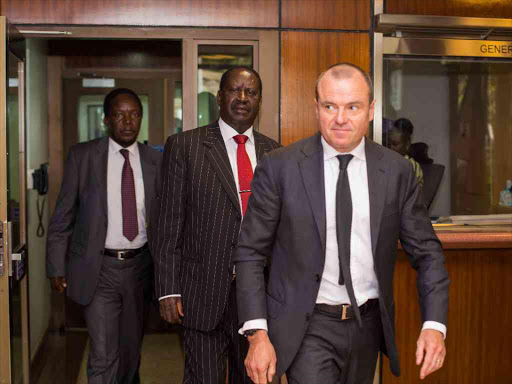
(129, 202)
(344, 228)
(245, 172)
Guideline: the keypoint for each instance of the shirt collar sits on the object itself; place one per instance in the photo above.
(228, 132)
(358, 152)
(115, 148)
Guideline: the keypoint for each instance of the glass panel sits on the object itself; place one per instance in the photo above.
(460, 118)
(90, 118)
(213, 61)
(13, 211)
(178, 106)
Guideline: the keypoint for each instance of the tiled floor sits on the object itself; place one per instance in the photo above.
(65, 356)
(64, 359)
(60, 358)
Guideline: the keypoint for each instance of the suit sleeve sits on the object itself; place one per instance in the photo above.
(255, 243)
(63, 220)
(425, 253)
(169, 218)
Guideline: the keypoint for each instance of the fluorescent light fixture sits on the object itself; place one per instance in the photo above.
(98, 83)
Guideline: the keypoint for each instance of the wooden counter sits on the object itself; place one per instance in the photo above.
(479, 338)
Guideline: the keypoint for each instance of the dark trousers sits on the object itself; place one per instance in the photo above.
(207, 353)
(336, 351)
(115, 319)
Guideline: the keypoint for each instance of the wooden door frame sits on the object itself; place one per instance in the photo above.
(268, 68)
(268, 43)
(5, 333)
(5, 310)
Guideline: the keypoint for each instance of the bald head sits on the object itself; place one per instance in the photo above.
(343, 71)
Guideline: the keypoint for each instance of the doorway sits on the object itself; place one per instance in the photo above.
(176, 73)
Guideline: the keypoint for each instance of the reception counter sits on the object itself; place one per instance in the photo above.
(479, 339)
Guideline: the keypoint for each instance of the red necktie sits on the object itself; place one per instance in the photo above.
(245, 171)
(129, 203)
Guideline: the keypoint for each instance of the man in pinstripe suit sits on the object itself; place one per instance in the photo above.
(197, 226)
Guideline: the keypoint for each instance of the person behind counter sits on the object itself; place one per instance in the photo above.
(400, 141)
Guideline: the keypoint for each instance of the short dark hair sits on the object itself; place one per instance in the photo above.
(337, 74)
(225, 76)
(404, 125)
(109, 99)
(403, 129)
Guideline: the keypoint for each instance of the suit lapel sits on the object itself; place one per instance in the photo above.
(148, 176)
(377, 183)
(261, 145)
(218, 157)
(100, 164)
(312, 170)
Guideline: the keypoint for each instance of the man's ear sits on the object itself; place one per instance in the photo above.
(371, 110)
(219, 97)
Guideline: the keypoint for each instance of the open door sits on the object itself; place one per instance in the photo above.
(14, 336)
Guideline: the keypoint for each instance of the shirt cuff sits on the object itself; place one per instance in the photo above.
(254, 324)
(435, 325)
(165, 297)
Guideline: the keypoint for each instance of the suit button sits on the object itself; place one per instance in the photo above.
(317, 278)
(233, 244)
(308, 316)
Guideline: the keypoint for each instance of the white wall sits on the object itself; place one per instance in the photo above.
(37, 153)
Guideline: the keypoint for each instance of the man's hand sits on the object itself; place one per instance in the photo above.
(58, 283)
(260, 362)
(431, 350)
(171, 309)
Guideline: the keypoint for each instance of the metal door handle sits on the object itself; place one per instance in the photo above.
(18, 256)
(17, 262)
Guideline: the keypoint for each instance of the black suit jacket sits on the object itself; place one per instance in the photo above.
(78, 227)
(286, 219)
(197, 222)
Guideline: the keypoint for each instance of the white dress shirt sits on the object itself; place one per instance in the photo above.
(362, 271)
(228, 133)
(364, 279)
(115, 238)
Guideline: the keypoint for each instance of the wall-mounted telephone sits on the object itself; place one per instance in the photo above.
(40, 184)
(40, 179)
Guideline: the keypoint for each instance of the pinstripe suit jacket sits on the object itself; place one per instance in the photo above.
(197, 223)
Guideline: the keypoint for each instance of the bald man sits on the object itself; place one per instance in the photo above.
(329, 211)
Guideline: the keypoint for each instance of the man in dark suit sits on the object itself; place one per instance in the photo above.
(329, 210)
(97, 239)
(206, 176)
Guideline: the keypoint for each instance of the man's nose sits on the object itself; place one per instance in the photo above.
(242, 95)
(127, 118)
(341, 117)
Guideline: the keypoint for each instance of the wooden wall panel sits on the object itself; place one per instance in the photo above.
(304, 56)
(467, 8)
(221, 13)
(326, 14)
(479, 319)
